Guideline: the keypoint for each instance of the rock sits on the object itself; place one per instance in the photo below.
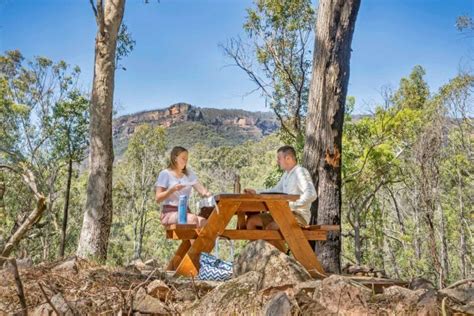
(308, 287)
(138, 263)
(233, 297)
(428, 303)
(24, 262)
(138, 266)
(343, 296)
(146, 304)
(276, 267)
(307, 306)
(460, 295)
(420, 283)
(59, 303)
(357, 270)
(279, 305)
(151, 263)
(67, 266)
(132, 269)
(402, 301)
(462, 291)
(190, 291)
(158, 289)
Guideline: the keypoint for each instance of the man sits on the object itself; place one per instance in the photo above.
(295, 180)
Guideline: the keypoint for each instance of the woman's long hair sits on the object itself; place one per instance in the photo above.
(175, 152)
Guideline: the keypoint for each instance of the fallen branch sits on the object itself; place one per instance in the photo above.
(195, 287)
(19, 286)
(14, 239)
(49, 301)
(460, 282)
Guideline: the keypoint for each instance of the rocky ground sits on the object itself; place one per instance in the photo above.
(265, 282)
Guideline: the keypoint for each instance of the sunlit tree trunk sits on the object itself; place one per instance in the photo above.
(66, 209)
(323, 146)
(98, 210)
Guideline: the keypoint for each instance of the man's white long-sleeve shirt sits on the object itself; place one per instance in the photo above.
(297, 181)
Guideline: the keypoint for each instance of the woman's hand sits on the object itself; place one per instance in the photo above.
(202, 190)
(177, 187)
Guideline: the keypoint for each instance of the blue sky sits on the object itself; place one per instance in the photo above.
(177, 58)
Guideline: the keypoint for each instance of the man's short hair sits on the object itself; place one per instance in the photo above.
(287, 150)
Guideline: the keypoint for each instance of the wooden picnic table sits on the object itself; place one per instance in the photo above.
(186, 259)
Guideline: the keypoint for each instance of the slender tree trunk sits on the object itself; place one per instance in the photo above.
(3, 213)
(139, 239)
(66, 209)
(136, 241)
(322, 153)
(357, 239)
(98, 210)
(394, 261)
(444, 245)
(462, 218)
(417, 240)
(45, 247)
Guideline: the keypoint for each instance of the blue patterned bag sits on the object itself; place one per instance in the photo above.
(214, 269)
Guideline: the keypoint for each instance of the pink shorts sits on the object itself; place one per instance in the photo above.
(169, 215)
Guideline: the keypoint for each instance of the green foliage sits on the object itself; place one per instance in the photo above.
(133, 194)
(43, 124)
(125, 45)
(70, 126)
(397, 176)
(276, 57)
(413, 92)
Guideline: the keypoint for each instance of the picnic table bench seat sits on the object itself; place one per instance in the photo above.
(190, 231)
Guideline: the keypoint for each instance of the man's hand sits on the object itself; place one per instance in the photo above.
(250, 191)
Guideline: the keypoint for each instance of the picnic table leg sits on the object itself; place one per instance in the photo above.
(295, 238)
(279, 244)
(179, 254)
(215, 226)
(241, 221)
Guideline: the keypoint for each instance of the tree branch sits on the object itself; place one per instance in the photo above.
(93, 8)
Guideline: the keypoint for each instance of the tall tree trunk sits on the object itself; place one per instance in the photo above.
(3, 213)
(66, 209)
(98, 210)
(357, 239)
(393, 259)
(136, 241)
(463, 233)
(322, 153)
(444, 244)
(417, 239)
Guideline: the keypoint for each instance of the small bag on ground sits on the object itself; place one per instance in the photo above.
(214, 269)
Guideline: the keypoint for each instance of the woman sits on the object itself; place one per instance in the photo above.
(174, 181)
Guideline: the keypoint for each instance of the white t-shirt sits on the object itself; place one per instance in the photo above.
(167, 179)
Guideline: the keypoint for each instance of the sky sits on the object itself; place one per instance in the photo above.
(177, 56)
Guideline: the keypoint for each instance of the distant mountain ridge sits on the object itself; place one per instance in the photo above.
(187, 125)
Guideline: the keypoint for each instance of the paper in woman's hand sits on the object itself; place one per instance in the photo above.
(188, 183)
